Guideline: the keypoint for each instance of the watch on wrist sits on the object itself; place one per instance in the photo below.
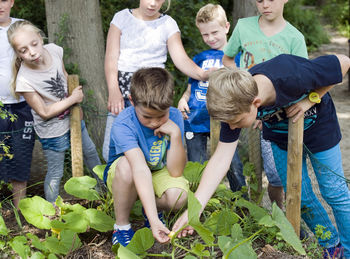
(314, 97)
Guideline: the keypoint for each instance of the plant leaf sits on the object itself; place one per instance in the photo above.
(35, 210)
(69, 241)
(221, 221)
(125, 253)
(99, 220)
(142, 241)
(18, 244)
(254, 210)
(82, 187)
(3, 229)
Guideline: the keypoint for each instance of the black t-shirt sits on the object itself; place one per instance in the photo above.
(294, 78)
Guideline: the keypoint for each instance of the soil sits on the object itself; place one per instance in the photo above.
(98, 245)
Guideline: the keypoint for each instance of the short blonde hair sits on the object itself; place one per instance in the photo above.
(230, 93)
(152, 88)
(211, 12)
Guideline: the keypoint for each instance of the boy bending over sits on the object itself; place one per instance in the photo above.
(147, 156)
(268, 92)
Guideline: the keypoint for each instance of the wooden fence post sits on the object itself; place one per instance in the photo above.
(214, 135)
(254, 150)
(75, 131)
(294, 172)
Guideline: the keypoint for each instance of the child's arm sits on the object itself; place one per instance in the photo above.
(143, 183)
(228, 61)
(176, 156)
(46, 111)
(183, 102)
(302, 106)
(115, 98)
(213, 174)
(182, 61)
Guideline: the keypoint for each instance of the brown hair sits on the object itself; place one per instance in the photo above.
(16, 62)
(230, 92)
(152, 88)
(211, 12)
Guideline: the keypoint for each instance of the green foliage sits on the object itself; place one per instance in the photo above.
(336, 12)
(308, 22)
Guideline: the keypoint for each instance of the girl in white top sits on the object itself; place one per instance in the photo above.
(139, 38)
(40, 76)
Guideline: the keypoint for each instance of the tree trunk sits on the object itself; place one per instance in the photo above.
(84, 36)
(243, 8)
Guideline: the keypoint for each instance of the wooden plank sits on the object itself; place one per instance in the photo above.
(75, 131)
(254, 151)
(294, 172)
(214, 135)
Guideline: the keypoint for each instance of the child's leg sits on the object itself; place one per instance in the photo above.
(196, 146)
(91, 158)
(171, 192)
(105, 148)
(313, 212)
(235, 175)
(330, 176)
(55, 165)
(123, 190)
(275, 188)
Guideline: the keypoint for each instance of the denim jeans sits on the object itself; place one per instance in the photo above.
(328, 169)
(269, 163)
(55, 161)
(197, 152)
(107, 137)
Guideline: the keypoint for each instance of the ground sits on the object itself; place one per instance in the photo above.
(98, 245)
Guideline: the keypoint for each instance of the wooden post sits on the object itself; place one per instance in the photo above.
(294, 172)
(214, 135)
(254, 150)
(75, 131)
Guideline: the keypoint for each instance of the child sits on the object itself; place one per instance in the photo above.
(18, 135)
(42, 80)
(147, 156)
(212, 23)
(267, 92)
(139, 38)
(261, 38)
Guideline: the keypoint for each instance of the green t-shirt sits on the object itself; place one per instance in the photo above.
(256, 47)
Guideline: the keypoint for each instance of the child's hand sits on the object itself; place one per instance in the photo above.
(168, 128)
(115, 102)
(183, 107)
(206, 73)
(160, 232)
(297, 110)
(77, 94)
(180, 222)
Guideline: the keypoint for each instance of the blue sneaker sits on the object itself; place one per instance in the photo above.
(122, 236)
(336, 252)
(147, 225)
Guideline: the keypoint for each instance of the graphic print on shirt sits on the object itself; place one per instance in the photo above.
(57, 88)
(157, 152)
(276, 118)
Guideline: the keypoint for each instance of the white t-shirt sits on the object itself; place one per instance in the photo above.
(51, 85)
(6, 57)
(143, 43)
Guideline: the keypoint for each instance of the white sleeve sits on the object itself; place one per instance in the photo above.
(23, 86)
(171, 26)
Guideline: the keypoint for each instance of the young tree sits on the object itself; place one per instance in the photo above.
(84, 36)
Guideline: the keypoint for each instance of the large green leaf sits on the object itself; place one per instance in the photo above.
(142, 241)
(75, 221)
(200, 251)
(124, 253)
(19, 245)
(69, 241)
(194, 208)
(254, 210)
(99, 220)
(35, 210)
(98, 170)
(37, 255)
(82, 187)
(221, 221)
(67, 207)
(244, 250)
(3, 229)
(286, 229)
(36, 242)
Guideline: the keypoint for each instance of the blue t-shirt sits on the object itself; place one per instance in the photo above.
(294, 78)
(127, 133)
(198, 118)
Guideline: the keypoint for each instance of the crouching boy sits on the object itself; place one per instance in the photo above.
(274, 91)
(147, 156)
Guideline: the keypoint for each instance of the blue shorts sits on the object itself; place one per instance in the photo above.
(19, 136)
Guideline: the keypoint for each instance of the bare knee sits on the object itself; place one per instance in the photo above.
(123, 174)
(176, 198)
